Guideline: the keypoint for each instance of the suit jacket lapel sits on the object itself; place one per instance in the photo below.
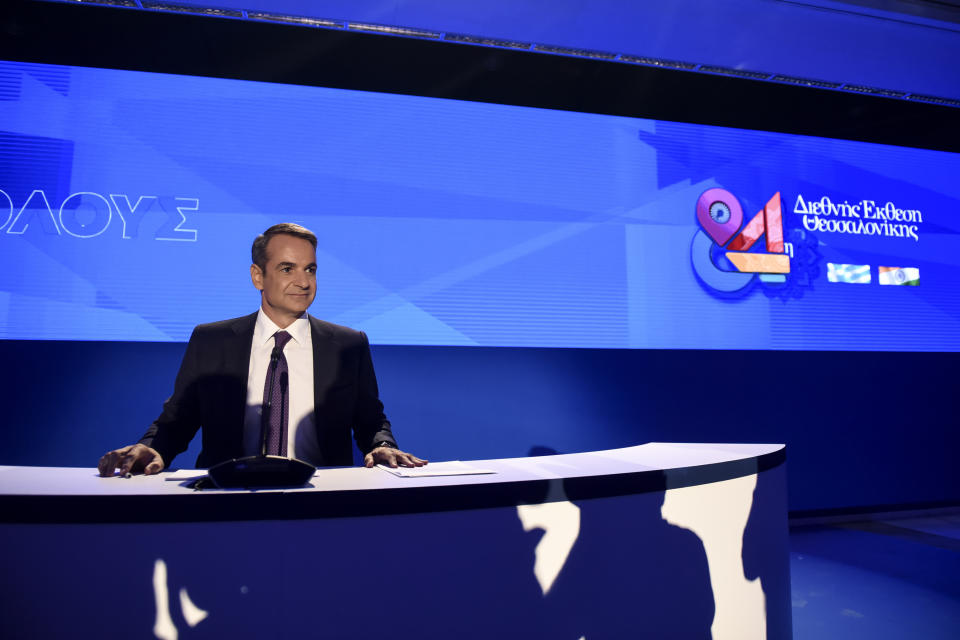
(324, 369)
(236, 360)
(237, 356)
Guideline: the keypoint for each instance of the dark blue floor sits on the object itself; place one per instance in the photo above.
(877, 579)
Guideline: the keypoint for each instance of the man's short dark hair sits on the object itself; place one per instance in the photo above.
(259, 251)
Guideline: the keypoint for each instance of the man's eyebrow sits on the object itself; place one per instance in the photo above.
(281, 265)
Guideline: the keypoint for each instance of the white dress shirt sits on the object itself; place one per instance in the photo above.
(301, 432)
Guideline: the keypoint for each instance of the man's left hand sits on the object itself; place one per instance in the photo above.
(392, 458)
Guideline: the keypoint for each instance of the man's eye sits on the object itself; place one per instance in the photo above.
(285, 269)
(311, 269)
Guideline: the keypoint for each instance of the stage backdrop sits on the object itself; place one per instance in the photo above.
(128, 202)
(529, 277)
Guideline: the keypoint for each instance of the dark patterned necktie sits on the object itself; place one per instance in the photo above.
(278, 403)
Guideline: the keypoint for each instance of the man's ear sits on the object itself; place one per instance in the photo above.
(256, 275)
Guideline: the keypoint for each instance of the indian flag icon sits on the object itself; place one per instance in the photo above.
(852, 273)
(909, 276)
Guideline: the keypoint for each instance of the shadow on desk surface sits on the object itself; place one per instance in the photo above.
(463, 574)
(472, 573)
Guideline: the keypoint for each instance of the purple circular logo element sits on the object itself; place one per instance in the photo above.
(720, 214)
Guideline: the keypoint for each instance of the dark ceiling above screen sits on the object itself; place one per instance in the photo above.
(717, 41)
(167, 42)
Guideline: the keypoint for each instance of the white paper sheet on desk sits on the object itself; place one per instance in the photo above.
(451, 468)
(184, 474)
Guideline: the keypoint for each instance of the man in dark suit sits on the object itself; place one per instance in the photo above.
(328, 375)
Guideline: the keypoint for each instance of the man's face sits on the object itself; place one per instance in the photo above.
(289, 282)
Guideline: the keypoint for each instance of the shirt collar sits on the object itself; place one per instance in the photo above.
(263, 332)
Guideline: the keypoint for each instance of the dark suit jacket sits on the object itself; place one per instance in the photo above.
(211, 392)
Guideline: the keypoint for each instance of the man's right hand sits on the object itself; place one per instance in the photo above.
(136, 457)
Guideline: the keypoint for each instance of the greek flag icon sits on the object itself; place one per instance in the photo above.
(849, 273)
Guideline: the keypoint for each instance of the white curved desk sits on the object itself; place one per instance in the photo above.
(668, 540)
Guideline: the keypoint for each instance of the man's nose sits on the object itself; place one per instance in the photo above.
(302, 280)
